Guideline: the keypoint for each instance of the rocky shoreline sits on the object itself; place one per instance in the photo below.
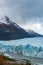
(8, 61)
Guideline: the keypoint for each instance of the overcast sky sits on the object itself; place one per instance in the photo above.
(27, 13)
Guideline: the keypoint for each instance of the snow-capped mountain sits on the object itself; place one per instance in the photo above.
(33, 34)
(10, 30)
(5, 20)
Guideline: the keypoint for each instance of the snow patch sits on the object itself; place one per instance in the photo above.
(7, 55)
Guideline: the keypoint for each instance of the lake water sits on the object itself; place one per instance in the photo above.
(37, 41)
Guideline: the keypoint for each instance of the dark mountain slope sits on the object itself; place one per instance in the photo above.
(10, 30)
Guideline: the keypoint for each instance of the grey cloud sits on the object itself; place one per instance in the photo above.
(24, 10)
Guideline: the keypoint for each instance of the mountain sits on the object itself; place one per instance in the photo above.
(34, 34)
(10, 30)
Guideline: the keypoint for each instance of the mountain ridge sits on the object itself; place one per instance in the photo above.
(10, 30)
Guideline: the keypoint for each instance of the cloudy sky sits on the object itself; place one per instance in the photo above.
(27, 13)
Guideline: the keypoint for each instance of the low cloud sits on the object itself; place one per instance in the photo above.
(23, 12)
